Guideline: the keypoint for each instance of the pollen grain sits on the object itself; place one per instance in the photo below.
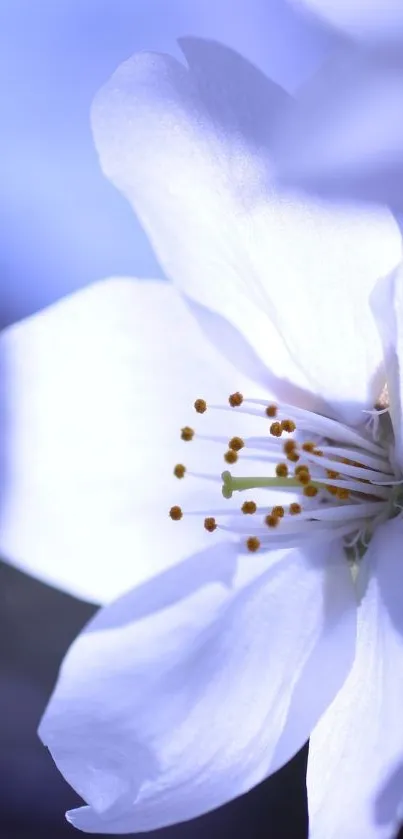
(236, 444)
(200, 406)
(187, 433)
(175, 513)
(235, 399)
(249, 507)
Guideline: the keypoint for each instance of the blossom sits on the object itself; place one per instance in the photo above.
(68, 449)
(346, 136)
(267, 352)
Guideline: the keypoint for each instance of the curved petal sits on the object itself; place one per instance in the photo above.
(345, 137)
(387, 305)
(189, 691)
(226, 236)
(356, 751)
(368, 20)
(95, 390)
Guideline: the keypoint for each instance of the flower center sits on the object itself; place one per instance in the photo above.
(342, 481)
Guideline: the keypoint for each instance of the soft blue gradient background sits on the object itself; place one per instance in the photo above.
(62, 224)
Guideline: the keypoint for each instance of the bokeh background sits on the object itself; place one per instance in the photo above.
(63, 226)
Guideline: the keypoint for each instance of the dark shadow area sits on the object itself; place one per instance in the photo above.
(37, 624)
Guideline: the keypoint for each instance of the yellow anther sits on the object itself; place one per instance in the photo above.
(249, 507)
(272, 520)
(253, 544)
(200, 406)
(332, 474)
(271, 410)
(343, 493)
(236, 444)
(288, 426)
(278, 511)
(210, 524)
(231, 456)
(187, 433)
(281, 470)
(175, 513)
(303, 476)
(308, 446)
(293, 457)
(275, 429)
(179, 470)
(289, 447)
(310, 491)
(302, 468)
(333, 490)
(235, 399)
(295, 508)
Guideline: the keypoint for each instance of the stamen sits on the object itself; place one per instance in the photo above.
(295, 508)
(275, 429)
(303, 475)
(200, 406)
(235, 399)
(187, 433)
(249, 507)
(236, 444)
(175, 513)
(332, 474)
(351, 472)
(288, 426)
(308, 446)
(310, 491)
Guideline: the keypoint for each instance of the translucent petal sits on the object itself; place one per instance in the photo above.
(194, 687)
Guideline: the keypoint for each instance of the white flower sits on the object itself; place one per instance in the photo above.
(195, 686)
(346, 136)
(68, 444)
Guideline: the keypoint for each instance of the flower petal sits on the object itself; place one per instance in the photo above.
(95, 390)
(226, 236)
(192, 688)
(368, 20)
(345, 138)
(356, 751)
(387, 304)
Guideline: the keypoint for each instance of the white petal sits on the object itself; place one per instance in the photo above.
(189, 150)
(194, 687)
(387, 304)
(345, 138)
(356, 751)
(369, 20)
(95, 390)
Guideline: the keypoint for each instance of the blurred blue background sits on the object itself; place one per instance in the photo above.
(62, 224)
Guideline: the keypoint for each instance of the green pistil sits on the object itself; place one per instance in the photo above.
(231, 484)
